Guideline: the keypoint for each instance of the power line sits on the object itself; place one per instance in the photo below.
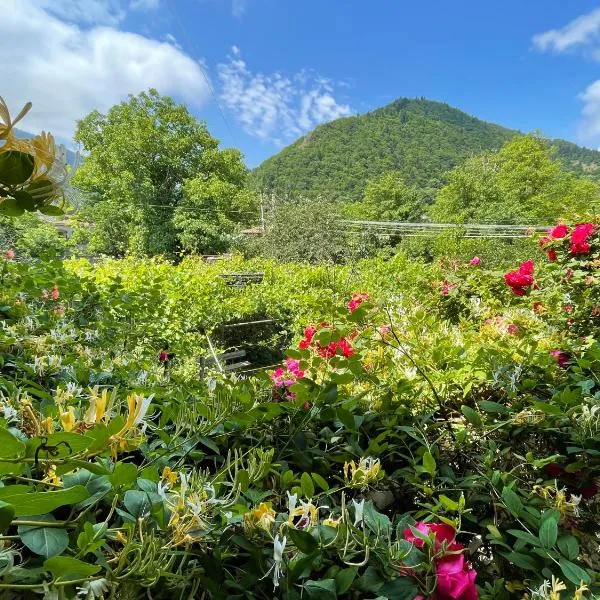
(175, 15)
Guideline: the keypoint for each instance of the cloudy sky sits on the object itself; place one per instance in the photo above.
(263, 72)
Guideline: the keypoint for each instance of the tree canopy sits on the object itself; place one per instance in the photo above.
(522, 182)
(156, 181)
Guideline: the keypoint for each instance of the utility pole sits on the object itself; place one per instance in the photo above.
(262, 214)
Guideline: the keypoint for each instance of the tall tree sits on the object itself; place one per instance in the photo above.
(388, 198)
(520, 183)
(143, 158)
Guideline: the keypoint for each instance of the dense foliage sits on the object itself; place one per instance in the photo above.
(156, 181)
(419, 139)
(520, 183)
(434, 431)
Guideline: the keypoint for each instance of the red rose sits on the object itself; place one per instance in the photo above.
(559, 232)
(561, 357)
(455, 579)
(579, 237)
(552, 256)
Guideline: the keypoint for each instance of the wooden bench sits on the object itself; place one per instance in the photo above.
(222, 362)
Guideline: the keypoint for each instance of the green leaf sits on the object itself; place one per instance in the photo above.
(512, 501)
(15, 167)
(45, 502)
(448, 502)
(10, 207)
(45, 541)
(525, 561)
(569, 546)
(403, 587)
(7, 514)
(323, 589)
(303, 540)
(549, 532)
(124, 474)
(320, 481)
(573, 573)
(525, 536)
(344, 579)
(307, 486)
(493, 407)
(429, 463)
(24, 200)
(10, 446)
(346, 418)
(67, 568)
(471, 415)
(138, 503)
(51, 210)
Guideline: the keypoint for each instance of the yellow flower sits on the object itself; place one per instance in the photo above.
(67, 419)
(331, 522)
(121, 538)
(52, 477)
(97, 408)
(137, 409)
(367, 471)
(6, 126)
(169, 475)
(580, 591)
(557, 587)
(48, 425)
(307, 513)
(262, 517)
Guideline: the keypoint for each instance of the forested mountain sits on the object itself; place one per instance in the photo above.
(420, 139)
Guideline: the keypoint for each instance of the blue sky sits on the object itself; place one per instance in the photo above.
(277, 68)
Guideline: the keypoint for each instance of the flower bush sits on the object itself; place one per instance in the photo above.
(412, 444)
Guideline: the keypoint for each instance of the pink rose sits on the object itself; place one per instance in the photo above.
(475, 261)
(455, 579)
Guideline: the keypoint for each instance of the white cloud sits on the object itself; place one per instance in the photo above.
(105, 12)
(581, 31)
(589, 128)
(67, 71)
(144, 4)
(276, 107)
(238, 8)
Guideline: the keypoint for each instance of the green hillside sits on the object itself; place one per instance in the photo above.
(421, 139)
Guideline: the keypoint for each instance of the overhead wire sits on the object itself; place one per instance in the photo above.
(211, 89)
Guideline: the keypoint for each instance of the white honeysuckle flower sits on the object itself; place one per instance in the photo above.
(292, 501)
(94, 590)
(359, 508)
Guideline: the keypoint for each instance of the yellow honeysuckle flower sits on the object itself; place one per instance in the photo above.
(331, 522)
(48, 425)
(367, 471)
(137, 408)
(67, 419)
(121, 538)
(97, 408)
(52, 477)
(6, 127)
(557, 587)
(307, 513)
(262, 517)
(580, 591)
(169, 475)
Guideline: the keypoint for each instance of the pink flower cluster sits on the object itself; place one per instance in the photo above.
(326, 350)
(446, 287)
(357, 299)
(9, 254)
(53, 294)
(520, 279)
(285, 377)
(455, 576)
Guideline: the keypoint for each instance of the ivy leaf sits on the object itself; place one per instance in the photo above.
(320, 481)
(323, 589)
(525, 561)
(10, 446)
